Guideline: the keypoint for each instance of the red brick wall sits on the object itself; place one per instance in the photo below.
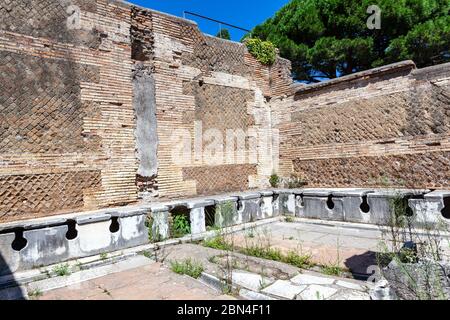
(385, 124)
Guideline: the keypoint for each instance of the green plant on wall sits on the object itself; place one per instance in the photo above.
(274, 180)
(264, 51)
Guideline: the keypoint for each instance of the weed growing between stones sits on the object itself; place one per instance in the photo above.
(332, 270)
(302, 261)
(262, 250)
(217, 242)
(289, 219)
(187, 267)
(35, 294)
(62, 270)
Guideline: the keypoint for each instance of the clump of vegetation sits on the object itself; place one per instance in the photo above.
(62, 270)
(263, 252)
(332, 270)
(264, 51)
(274, 180)
(224, 214)
(187, 267)
(289, 219)
(146, 253)
(180, 226)
(218, 242)
(302, 261)
(103, 256)
(149, 225)
(294, 181)
(35, 294)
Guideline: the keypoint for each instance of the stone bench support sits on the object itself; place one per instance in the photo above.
(226, 211)
(433, 210)
(160, 225)
(354, 204)
(266, 205)
(197, 215)
(321, 204)
(45, 241)
(250, 208)
(284, 202)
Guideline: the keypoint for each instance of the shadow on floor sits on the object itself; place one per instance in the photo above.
(9, 288)
(362, 266)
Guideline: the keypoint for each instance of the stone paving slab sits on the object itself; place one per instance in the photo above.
(326, 244)
(317, 292)
(151, 282)
(284, 289)
(307, 279)
(250, 281)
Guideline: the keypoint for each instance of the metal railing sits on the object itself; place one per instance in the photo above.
(221, 23)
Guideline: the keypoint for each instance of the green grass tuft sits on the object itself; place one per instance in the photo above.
(187, 267)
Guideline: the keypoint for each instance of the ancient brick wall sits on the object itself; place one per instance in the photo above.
(384, 126)
(92, 92)
(66, 113)
(204, 85)
(94, 111)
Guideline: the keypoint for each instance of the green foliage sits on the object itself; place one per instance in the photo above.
(332, 270)
(187, 267)
(61, 270)
(147, 254)
(300, 261)
(181, 226)
(224, 34)
(274, 180)
(263, 252)
(218, 242)
(269, 253)
(103, 256)
(264, 51)
(289, 219)
(326, 38)
(152, 236)
(35, 294)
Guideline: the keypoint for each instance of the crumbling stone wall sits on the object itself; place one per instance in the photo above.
(384, 126)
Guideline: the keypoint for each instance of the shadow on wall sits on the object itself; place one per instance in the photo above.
(9, 288)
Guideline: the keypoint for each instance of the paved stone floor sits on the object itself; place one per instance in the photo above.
(151, 282)
(353, 247)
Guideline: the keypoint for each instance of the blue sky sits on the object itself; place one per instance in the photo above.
(242, 13)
